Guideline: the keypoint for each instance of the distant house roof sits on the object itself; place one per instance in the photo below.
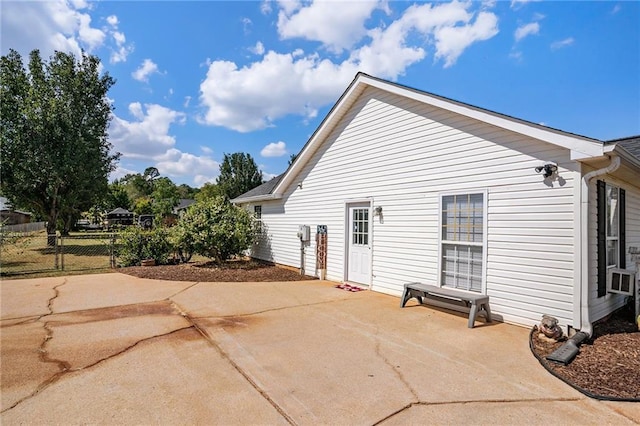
(183, 204)
(259, 192)
(5, 205)
(119, 211)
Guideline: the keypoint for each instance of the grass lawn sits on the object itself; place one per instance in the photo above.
(30, 254)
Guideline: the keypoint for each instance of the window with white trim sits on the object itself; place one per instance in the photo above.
(257, 214)
(462, 241)
(612, 227)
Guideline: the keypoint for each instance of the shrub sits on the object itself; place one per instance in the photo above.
(217, 229)
(137, 244)
(182, 241)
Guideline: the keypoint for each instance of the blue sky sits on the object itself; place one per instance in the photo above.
(199, 79)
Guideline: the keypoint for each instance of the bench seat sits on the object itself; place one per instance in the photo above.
(477, 303)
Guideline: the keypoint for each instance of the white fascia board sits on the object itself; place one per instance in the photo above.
(267, 197)
(624, 154)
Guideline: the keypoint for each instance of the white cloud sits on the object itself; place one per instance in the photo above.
(148, 135)
(318, 21)
(267, 176)
(526, 30)
(147, 68)
(90, 37)
(119, 38)
(452, 41)
(254, 96)
(517, 4)
(562, 43)
(51, 25)
(56, 25)
(120, 172)
(177, 164)
(265, 7)
(113, 20)
(258, 49)
(206, 150)
(274, 149)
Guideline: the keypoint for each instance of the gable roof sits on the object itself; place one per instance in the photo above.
(581, 147)
(259, 193)
(119, 210)
(630, 144)
(183, 204)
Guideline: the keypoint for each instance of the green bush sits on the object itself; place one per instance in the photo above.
(216, 229)
(137, 244)
(182, 241)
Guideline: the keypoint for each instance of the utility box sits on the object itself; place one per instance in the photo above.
(304, 233)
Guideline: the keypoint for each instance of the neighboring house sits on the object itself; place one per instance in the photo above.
(120, 216)
(182, 206)
(9, 216)
(416, 187)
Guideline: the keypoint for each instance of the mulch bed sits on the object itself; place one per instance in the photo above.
(607, 366)
(243, 270)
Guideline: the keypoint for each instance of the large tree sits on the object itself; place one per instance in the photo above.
(165, 197)
(239, 173)
(53, 134)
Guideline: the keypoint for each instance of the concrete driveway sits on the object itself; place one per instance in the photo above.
(114, 349)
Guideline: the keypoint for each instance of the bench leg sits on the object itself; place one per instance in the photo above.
(408, 294)
(472, 314)
(482, 309)
(487, 310)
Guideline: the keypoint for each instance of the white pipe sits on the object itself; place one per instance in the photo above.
(585, 322)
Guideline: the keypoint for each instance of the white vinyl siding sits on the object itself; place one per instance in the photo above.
(402, 155)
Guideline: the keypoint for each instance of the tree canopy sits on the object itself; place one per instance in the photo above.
(239, 173)
(53, 134)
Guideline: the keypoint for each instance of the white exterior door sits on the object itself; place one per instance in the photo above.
(359, 243)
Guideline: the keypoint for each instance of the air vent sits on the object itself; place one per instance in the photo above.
(620, 281)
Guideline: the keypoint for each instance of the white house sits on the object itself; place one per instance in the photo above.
(416, 187)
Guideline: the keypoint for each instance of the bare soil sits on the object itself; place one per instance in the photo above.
(608, 366)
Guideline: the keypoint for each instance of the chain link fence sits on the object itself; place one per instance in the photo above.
(37, 252)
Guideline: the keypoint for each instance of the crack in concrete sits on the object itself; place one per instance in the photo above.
(395, 368)
(183, 290)
(282, 308)
(482, 401)
(236, 366)
(57, 376)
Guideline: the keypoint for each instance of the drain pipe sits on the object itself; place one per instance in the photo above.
(565, 353)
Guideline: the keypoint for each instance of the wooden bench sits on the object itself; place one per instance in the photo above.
(478, 303)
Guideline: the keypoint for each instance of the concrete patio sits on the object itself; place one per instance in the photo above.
(115, 349)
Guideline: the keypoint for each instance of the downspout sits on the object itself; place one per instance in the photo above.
(585, 325)
(565, 353)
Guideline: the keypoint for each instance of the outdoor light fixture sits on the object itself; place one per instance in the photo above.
(547, 170)
(377, 211)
